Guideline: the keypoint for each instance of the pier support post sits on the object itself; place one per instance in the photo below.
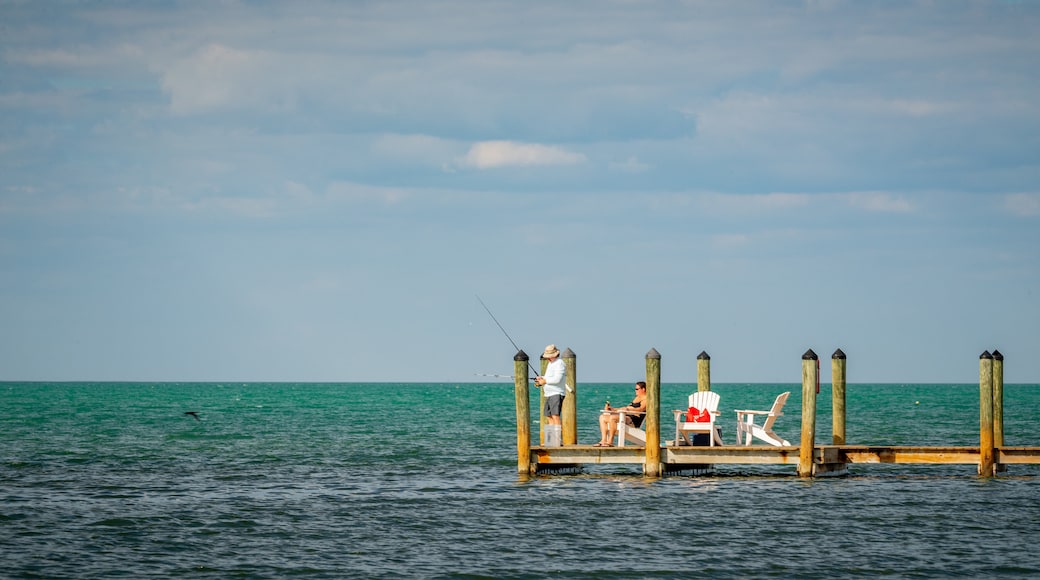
(542, 420)
(569, 415)
(838, 396)
(986, 414)
(998, 398)
(703, 372)
(652, 422)
(523, 413)
(810, 382)
(998, 408)
(832, 462)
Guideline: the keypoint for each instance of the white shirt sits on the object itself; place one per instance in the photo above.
(555, 377)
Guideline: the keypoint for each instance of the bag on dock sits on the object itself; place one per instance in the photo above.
(695, 415)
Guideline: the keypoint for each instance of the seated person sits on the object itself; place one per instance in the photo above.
(634, 413)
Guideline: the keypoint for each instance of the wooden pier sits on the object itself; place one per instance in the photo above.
(810, 459)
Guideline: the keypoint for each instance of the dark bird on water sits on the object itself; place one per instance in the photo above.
(193, 414)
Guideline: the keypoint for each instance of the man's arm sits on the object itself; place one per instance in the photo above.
(555, 373)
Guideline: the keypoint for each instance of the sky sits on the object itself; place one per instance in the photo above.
(320, 191)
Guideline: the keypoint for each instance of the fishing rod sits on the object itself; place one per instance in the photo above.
(536, 373)
(494, 375)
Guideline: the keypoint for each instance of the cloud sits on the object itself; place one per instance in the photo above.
(215, 77)
(921, 107)
(491, 154)
(878, 201)
(80, 57)
(1023, 204)
(760, 241)
(630, 165)
(350, 192)
(755, 203)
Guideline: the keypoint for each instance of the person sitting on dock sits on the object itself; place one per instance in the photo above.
(634, 413)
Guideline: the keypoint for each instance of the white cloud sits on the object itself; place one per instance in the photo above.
(214, 77)
(298, 193)
(80, 57)
(757, 203)
(747, 204)
(921, 107)
(879, 201)
(757, 240)
(630, 165)
(254, 208)
(1023, 204)
(344, 191)
(491, 154)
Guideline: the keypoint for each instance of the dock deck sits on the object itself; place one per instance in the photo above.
(676, 457)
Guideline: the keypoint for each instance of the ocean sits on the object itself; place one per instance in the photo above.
(387, 480)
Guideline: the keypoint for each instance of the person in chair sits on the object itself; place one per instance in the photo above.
(634, 414)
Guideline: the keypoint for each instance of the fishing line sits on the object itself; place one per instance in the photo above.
(536, 373)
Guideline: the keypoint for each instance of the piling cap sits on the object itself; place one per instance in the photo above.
(997, 355)
(652, 353)
(568, 353)
(521, 356)
(810, 355)
(838, 354)
(703, 356)
(985, 355)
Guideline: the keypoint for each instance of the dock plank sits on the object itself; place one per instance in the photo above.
(765, 455)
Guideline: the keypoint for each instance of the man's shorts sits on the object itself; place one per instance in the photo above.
(553, 406)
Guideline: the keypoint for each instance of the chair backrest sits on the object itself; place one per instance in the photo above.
(778, 404)
(705, 400)
(776, 410)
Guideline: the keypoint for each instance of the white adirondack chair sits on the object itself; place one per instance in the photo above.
(628, 433)
(747, 429)
(683, 429)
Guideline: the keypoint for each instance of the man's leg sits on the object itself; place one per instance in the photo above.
(554, 408)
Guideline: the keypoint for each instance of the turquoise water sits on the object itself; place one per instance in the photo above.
(419, 480)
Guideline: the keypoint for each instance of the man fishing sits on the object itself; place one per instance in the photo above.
(553, 384)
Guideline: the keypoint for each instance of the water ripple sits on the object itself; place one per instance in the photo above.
(283, 480)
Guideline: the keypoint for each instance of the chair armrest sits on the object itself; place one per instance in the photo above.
(743, 412)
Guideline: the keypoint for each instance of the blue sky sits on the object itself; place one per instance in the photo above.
(318, 191)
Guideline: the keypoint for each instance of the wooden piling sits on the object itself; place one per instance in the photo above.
(986, 464)
(703, 372)
(523, 413)
(569, 415)
(652, 422)
(831, 462)
(998, 409)
(810, 381)
(998, 399)
(838, 396)
(542, 419)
